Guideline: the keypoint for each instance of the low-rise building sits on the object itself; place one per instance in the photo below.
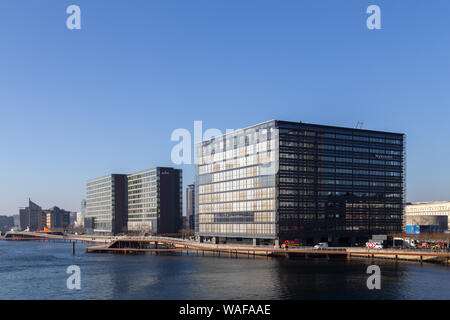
(428, 214)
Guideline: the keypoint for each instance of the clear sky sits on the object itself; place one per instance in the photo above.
(79, 104)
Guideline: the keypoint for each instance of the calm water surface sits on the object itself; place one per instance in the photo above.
(37, 270)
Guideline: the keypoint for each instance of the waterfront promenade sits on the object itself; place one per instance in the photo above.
(155, 245)
(162, 244)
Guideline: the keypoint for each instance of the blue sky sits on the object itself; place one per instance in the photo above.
(79, 104)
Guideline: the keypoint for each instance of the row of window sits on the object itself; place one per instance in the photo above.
(254, 194)
(95, 192)
(348, 216)
(132, 180)
(293, 144)
(340, 171)
(211, 155)
(99, 183)
(331, 204)
(250, 136)
(101, 197)
(294, 156)
(249, 217)
(237, 185)
(91, 205)
(235, 174)
(242, 206)
(229, 228)
(374, 228)
(252, 160)
(359, 149)
(145, 197)
(338, 136)
(142, 186)
(142, 214)
(339, 182)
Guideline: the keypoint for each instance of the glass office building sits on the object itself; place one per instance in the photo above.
(286, 180)
(155, 201)
(106, 204)
(143, 201)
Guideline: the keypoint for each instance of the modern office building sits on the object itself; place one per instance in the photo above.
(284, 180)
(155, 201)
(190, 206)
(106, 203)
(32, 217)
(427, 213)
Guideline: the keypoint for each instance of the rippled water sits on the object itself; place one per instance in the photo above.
(37, 270)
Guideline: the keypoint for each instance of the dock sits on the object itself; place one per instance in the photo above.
(172, 245)
(42, 236)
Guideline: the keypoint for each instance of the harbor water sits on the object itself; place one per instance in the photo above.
(38, 270)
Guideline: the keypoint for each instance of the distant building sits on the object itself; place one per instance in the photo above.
(6, 223)
(16, 221)
(431, 216)
(81, 214)
(106, 202)
(79, 220)
(32, 217)
(73, 219)
(190, 206)
(155, 201)
(57, 219)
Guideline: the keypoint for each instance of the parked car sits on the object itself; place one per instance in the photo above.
(321, 245)
(378, 246)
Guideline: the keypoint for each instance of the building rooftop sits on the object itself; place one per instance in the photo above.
(427, 203)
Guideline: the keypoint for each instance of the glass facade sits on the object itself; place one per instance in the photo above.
(339, 184)
(143, 203)
(289, 180)
(100, 203)
(155, 200)
(235, 184)
(106, 203)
